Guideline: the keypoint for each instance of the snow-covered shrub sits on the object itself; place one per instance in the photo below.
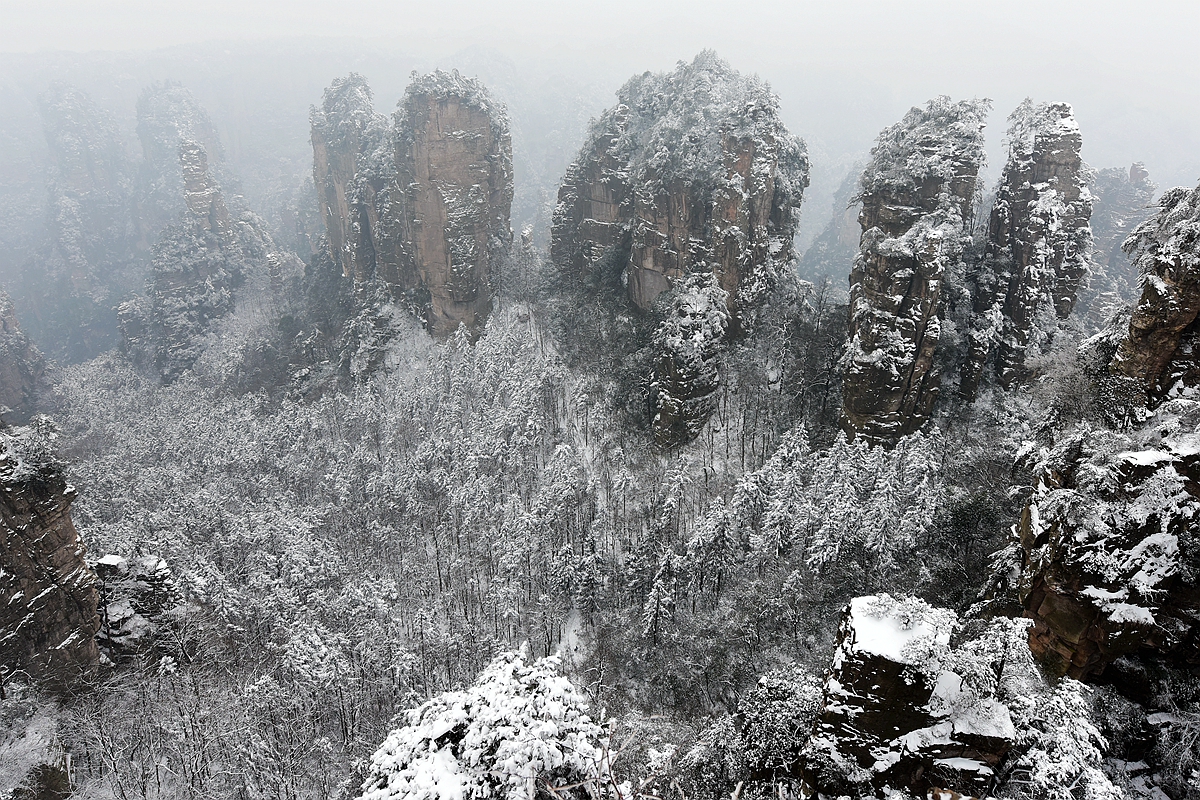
(520, 732)
(1063, 748)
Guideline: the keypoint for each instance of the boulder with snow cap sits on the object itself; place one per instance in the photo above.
(913, 701)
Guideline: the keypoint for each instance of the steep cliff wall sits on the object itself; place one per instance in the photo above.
(454, 167)
(1038, 240)
(352, 164)
(48, 595)
(917, 199)
(1163, 343)
(420, 203)
(692, 173)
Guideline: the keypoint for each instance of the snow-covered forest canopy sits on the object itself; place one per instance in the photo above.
(484, 432)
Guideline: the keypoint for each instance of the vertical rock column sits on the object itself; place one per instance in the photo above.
(917, 194)
(686, 191)
(352, 163)
(48, 594)
(455, 181)
(1037, 246)
(419, 204)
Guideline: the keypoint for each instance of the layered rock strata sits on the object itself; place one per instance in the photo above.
(1038, 240)
(1108, 552)
(691, 173)
(48, 595)
(917, 196)
(420, 204)
(912, 704)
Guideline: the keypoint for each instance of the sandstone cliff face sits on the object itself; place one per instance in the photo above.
(692, 173)
(1109, 554)
(1038, 239)
(48, 595)
(352, 164)
(1161, 349)
(420, 204)
(917, 198)
(22, 368)
(912, 704)
(454, 165)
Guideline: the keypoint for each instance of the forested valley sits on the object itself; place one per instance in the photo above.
(399, 479)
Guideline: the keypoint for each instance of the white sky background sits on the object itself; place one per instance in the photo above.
(843, 69)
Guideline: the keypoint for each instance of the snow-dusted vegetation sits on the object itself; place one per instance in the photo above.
(388, 507)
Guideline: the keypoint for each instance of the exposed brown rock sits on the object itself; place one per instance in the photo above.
(454, 168)
(421, 205)
(648, 203)
(1038, 240)
(691, 174)
(1108, 550)
(917, 195)
(48, 595)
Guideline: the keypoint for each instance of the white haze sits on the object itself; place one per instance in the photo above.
(843, 70)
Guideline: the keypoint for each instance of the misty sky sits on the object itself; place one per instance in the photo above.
(843, 70)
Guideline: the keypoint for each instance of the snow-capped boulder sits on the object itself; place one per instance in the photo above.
(913, 701)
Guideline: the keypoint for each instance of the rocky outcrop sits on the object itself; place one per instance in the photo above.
(421, 204)
(914, 702)
(22, 368)
(48, 595)
(692, 173)
(167, 116)
(196, 266)
(917, 196)
(1038, 239)
(1160, 352)
(1108, 553)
